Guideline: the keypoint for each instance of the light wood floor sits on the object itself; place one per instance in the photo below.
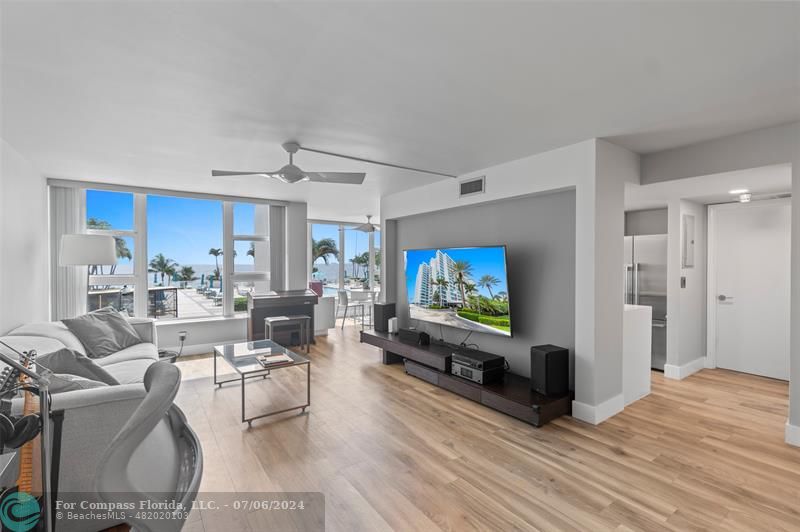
(389, 451)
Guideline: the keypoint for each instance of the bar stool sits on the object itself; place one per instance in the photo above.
(303, 321)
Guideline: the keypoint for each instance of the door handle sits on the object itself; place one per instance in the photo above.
(722, 298)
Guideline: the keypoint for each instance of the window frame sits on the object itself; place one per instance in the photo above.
(372, 267)
(140, 278)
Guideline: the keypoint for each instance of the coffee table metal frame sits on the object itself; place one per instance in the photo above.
(298, 360)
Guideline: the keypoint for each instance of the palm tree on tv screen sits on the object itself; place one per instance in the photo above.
(471, 290)
(487, 282)
(463, 270)
(163, 266)
(442, 283)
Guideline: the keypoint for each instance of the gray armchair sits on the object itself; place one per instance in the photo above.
(129, 468)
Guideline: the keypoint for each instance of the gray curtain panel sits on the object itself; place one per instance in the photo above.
(68, 283)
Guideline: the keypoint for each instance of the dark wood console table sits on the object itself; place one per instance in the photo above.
(431, 363)
(282, 303)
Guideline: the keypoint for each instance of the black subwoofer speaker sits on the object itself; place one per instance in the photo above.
(549, 369)
(383, 313)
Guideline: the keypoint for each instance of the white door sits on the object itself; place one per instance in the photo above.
(751, 286)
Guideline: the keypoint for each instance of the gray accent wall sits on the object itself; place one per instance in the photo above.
(539, 232)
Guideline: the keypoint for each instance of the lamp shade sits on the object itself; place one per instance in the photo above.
(83, 250)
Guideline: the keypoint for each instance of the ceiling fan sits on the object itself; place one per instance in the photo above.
(293, 174)
(368, 227)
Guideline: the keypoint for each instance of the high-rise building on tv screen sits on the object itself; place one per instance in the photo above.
(465, 288)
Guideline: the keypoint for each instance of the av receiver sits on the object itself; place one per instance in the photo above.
(477, 366)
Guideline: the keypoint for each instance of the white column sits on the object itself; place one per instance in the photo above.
(227, 258)
(341, 257)
(600, 229)
(296, 246)
(261, 262)
(793, 423)
(140, 290)
(371, 267)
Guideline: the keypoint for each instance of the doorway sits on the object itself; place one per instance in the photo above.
(749, 287)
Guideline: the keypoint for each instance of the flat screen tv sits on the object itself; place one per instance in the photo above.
(466, 288)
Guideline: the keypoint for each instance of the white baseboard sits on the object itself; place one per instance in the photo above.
(681, 372)
(597, 414)
(792, 434)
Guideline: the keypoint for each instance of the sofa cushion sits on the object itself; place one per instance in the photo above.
(51, 329)
(103, 332)
(129, 371)
(74, 363)
(143, 351)
(40, 344)
(64, 382)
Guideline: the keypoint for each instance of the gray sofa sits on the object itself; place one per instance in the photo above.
(93, 417)
(127, 366)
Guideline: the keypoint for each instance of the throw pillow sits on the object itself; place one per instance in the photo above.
(63, 382)
(75, 363)
(103, 332)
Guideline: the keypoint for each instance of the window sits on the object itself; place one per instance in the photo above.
(171, 261)
(111, 213)
(251, 255)
(184, 257)
(356, 248)
(341, 256)
(325, 257)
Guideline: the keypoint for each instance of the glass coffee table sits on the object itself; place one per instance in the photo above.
(243, 358)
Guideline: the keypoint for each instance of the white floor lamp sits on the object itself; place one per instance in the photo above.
(87, 250)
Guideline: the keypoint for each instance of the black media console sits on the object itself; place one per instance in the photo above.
(513, 396)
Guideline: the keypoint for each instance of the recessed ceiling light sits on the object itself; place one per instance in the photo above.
(738, 191)
(745, 198)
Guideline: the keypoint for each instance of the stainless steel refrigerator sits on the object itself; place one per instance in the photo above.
(646, 284)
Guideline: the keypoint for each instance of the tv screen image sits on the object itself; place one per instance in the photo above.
(466, 288)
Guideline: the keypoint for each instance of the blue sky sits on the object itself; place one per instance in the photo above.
(484, 261)
(183, 229)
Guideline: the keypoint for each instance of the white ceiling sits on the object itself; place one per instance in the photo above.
(762, 182)
(158, 93)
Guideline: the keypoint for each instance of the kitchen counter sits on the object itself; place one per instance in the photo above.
(636, 352)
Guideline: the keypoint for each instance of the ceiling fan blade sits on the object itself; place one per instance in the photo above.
(223, 173)
(347, 178)
(366, 228)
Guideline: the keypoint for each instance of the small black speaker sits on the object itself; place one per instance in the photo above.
(383, 312)
(424, 338)
(549, 370)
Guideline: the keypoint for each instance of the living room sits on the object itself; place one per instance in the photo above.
(266, 253)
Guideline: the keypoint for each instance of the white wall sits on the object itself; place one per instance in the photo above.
(686, 307)
(597, 170)
(752, 149)
(296, 246)
(203, 334)
(776, 145)
(24, 279)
